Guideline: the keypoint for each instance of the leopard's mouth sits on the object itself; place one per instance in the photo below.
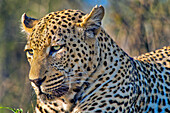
(56, 93)
(49, 95)
(60, 91)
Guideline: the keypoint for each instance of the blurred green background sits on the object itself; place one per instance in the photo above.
(138, 26)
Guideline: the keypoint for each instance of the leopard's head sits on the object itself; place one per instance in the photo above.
(62, 50)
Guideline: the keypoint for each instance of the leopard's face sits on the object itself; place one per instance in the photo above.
(62, 51)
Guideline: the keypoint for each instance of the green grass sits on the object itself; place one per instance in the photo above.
(13, 109)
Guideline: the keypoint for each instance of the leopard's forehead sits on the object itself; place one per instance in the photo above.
(53, 26)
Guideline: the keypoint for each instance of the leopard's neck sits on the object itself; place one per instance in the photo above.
(110, 69)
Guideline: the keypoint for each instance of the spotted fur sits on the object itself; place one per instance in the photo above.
(76, 67)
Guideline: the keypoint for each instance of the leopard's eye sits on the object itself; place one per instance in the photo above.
(29, 51)
(55, 49)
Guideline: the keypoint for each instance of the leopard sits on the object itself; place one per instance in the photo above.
(159, 56)
(76, 67)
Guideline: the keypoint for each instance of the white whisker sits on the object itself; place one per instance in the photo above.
(80, 77)
(77, 82)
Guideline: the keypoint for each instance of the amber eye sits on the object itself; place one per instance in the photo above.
(55, 49)
(29, 51)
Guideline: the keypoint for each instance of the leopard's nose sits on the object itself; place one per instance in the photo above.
(38, 81)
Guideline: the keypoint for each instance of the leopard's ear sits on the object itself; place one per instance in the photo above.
(92, 22)
(28, 23)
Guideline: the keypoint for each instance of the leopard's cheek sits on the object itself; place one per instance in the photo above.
(60, 54)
